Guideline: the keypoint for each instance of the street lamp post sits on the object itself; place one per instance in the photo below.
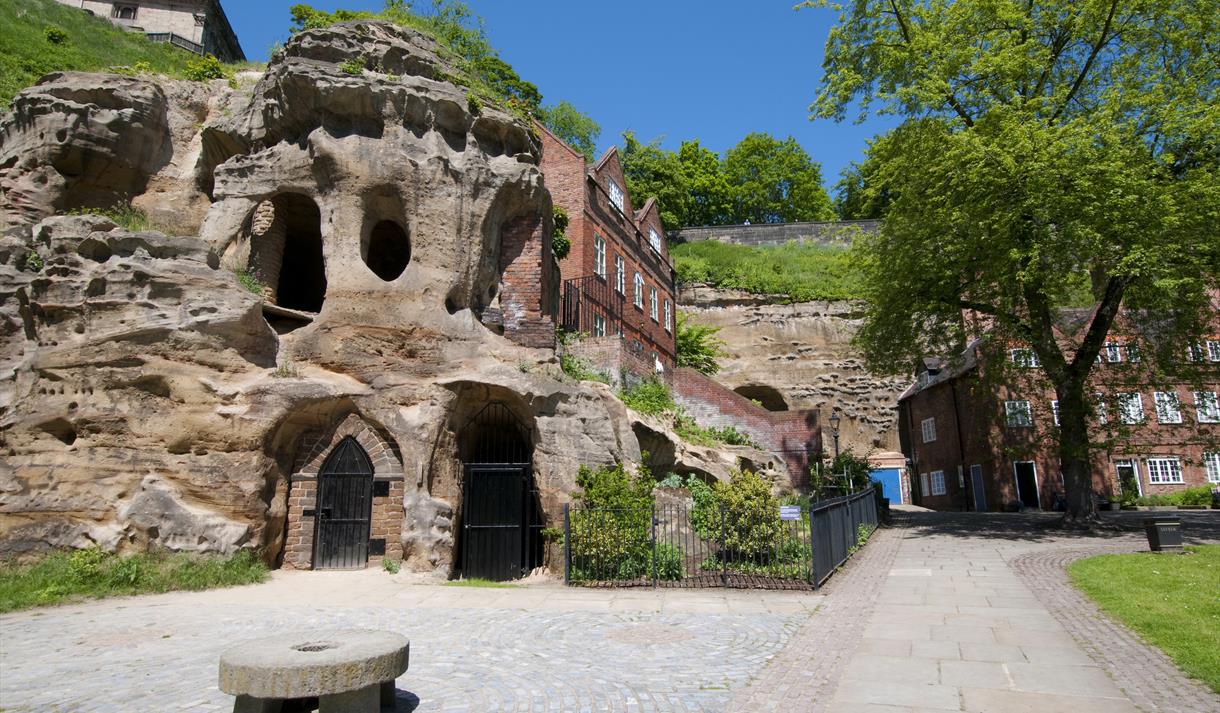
(834, 430)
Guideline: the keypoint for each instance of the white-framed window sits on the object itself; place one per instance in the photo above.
(1130, 408)
(652, 303)
(938, 482)
(599, 325)
(1133, 353)
(1113, 352)
(925, 482)
(1213, 350)
(1164, 470)
(654, 239)
(1168, 407)
(669, 314)
(124, 12)
(1099, 403)
(928, 425)
(616, 194)
(1207, 407)
(638, 300)
(620, 275)
(1211, 463)
(1024, 358)
(599, 256)
(1195, 352)
(1018, 414)
(1055, 411)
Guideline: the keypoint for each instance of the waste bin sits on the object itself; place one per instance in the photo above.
(1164, 533)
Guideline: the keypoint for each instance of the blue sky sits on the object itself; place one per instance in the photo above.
(677, 69)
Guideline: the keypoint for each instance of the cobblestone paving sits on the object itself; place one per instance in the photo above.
(144, 657)
(804, 675)
(1144, 673)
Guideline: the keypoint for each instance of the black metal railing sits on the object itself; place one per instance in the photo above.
(716, 545)
(586, 298)
(175, 40)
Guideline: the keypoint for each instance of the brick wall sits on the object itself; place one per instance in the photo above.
(840, 233)
(529, 285)
(615, 358)
(793, 435)
(386, 515)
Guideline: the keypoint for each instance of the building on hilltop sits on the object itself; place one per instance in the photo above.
(985, 438)
(831, 232)
(199, 26)
(618, 278)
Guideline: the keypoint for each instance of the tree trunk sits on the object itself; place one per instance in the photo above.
(1074, 454)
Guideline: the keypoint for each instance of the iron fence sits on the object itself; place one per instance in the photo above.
(585, 299)
(689, 545)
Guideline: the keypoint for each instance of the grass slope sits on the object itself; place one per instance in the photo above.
(92, 44)
(67, 576)
(800, 272)
(1172, 601)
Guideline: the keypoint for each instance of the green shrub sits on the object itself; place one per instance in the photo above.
(697, 345)
(733, 437)
(650, 397)
(390, 565)
(55, 35)
(205, 68)
(580, 369)
(250, 280)
(127, 217)
(1201, 495)
(355, 65)
(671, 480)
(561, 245)
(32, 262)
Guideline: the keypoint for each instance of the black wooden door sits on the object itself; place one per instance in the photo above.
(345, 507)
(494, 530)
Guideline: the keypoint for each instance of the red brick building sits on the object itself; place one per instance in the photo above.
(978, 447)
(618, 279)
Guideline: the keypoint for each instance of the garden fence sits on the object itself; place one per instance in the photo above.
(687, 545)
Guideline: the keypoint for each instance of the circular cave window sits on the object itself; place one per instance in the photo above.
(388, 250)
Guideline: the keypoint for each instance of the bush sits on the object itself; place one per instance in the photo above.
(250, 280)
(391, 565)
(697, 345)
(202, 69)
(127, 217)
(650, 397)
(55, 35)
(354, 65)
(612, 528)
(1201, 495)
(580, 369)
(561, 245)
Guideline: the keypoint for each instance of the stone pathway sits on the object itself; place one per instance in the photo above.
(948, 613)
(973, 613)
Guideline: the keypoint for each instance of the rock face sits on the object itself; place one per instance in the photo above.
(799, 356)
(372, 265)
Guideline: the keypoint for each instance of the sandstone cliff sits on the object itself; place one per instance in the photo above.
(361, 256)
(799, 356)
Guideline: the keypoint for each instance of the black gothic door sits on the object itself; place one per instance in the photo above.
(494, 531)
(345, 507)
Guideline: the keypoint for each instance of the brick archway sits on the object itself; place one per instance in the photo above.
(385, 539)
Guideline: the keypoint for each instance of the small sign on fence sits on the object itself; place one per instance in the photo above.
(790, 512)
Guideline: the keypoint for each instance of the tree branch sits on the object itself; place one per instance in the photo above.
(1102, 39)
(1103, 319)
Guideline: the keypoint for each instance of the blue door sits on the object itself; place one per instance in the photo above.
(891, 483)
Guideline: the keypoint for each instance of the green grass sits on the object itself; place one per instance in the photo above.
(28, 50)
(1172, 601)
(68, 576)
(800, 272)
(479, 583)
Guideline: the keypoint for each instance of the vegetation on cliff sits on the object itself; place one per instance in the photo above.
(795, 272)
(43, 36)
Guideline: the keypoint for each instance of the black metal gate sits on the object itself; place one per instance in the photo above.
(501, 518)
(344, 508)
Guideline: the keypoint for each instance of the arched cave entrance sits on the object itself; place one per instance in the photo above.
(768, 396)
(344, 508)
(501, 532)
(387, 250)
(286, 252)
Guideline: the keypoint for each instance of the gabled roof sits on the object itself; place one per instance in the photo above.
(650, 206)
(601, 162)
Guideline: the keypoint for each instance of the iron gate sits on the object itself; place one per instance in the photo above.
(495, 526)
(344, 508)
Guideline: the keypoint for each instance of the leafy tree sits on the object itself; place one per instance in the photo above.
(698, 346)
(856, 197)
(1047, 144)
(774, 181)
(576, 129)
(710, 198)
(653, 172)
